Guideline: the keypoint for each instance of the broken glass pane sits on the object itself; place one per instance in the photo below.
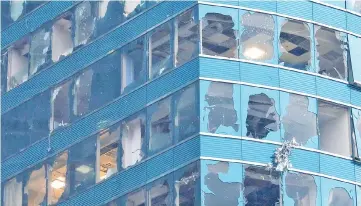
(260, 113)
(39, 51)
(84, 22)
(160, 192)
(261, 186)
(301, 189)
(355, 54)
(186, 185)
(219, 32)
(334, 128)
(339, 196)
(221, 183)
(220, 102)
(133, 140)
(337, 193)
(356, 118)
(60, 106)
(3, 75)
(58, 170)
(187, 43)
(35, 187)
(108, 146)
(82, 93)
(160, 136)
(258, 37)
(61, 40)
(331, 52)
(133, 65)
(11, 11)
(12, 192)
(187, 115)
(109, 15)
(295, 44)
(160, 50)
(133, 7)
(354, 5)
(299, 114)
(18, 62)
(135, 198)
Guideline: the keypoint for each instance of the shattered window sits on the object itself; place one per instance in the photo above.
(257, 36)
(11, 11)
(84, 22)
(186, 185)
(354, 5)
(219, 34)
(18, 62)
(355, 54)
(356, 131)
(334, 128)
(294, 44)
(222, 183)
(133, 141)
(261, 116)
(187, 31)
(261, 186)
(339, 196)
(61, 40)
(220, 109)
(35, 186)
(3, 75)
(82, 93)
(60, 105)
(299, 119)
(133, 7)
(39, 51)
(12, 192)
(108, 146)
(133, 65)
(160, 126)
(300, 189)
(109, 15)
(160, 192)
(160, 50)
(135, 198)
(331, 52)
(58, 171)
(187, 117)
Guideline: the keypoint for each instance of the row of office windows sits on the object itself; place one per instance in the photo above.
(351, 5)
(57, 39)
(276, 116)
(105, 80)
(126, 143)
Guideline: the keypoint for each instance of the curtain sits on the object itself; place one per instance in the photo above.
(132, 143)
(13, 193)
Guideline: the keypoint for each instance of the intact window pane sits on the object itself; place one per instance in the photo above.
(12, 192)
(133, 65)
(186, 185)
(257, 36)
(61, 40)
(302, 189)
(60, 104)
(187, 37)
(35, 188)
(109, 144)
(294, 44)
(355, 54)
(39, 51)
(82, 93)
(160, 192)
(160, 126)
(187, 116)
(160, 50)
(261, 186)
(356, 131)
(133, 140)
(84, 22)
(58, 170)
(18, 63)
(219, 35)
(334, 128)
(331, 52)
(354, 5)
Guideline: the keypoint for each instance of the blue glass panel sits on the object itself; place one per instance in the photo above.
(355, 54)
(335, 192)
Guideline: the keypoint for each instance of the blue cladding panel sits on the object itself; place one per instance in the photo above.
(297, 81)
(221, 147)
(301, 9)
(261, 5)
(173, 80)
(330, 165)
(187, 151)
(219, 69)
(259, 74)
(333, 90)
(358, 173)
(257, 151)
(353, 23)
(159, 13)
(305, 160)
(34, 20)
(159, 164)
(356, 96)
(323, 13)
